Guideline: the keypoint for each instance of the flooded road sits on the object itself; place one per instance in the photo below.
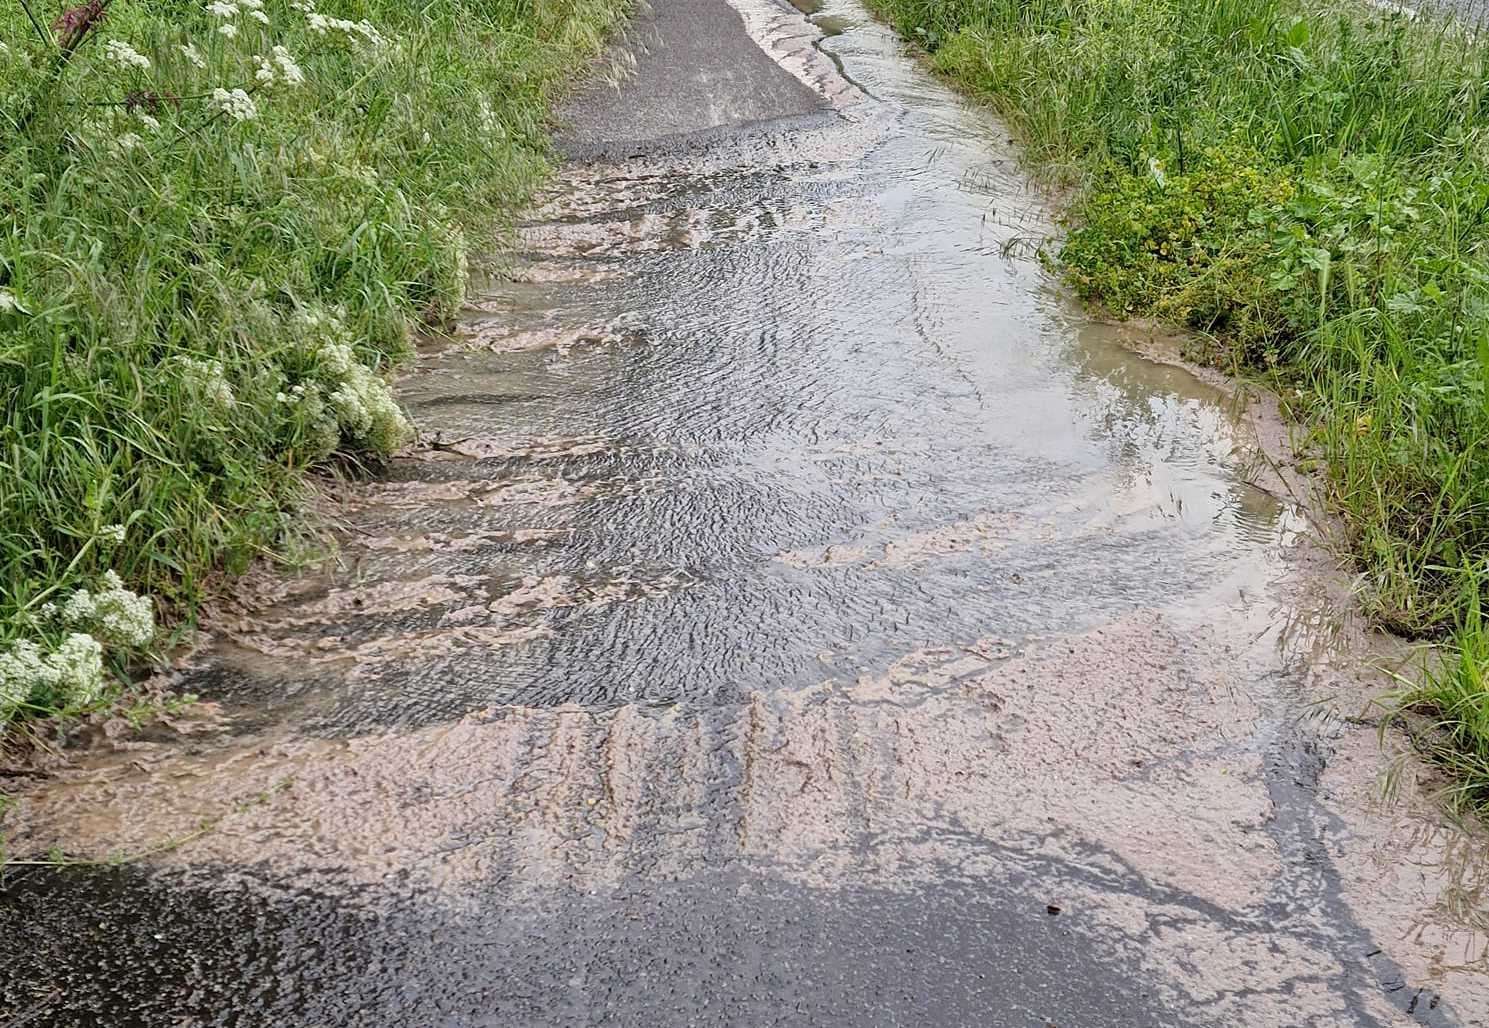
(796, 612)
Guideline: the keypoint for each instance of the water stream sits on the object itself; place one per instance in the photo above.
(796, 611)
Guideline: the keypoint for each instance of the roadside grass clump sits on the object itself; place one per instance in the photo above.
(1307, 183)
(219, 222)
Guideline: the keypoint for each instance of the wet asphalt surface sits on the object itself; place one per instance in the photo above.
(796, 612)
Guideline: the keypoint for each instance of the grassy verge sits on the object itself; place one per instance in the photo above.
(218, 224)
(1307, 181)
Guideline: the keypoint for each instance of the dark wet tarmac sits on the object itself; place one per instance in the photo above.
(793, 599)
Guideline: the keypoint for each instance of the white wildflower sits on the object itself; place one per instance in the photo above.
(20, 667)
(259, 16)
(289, 71)
(296, 396)
(324, 25)
(206, 381)
(120, 615)
(124, 617)
(366, 31)
(48, 610)
(125, 142)
(229, 30)
(223, 9)
(367, 413)
(149, 121)
(112, 534)
(79, 667)
(78, 608)
(73, 673)
(124, 55)
(281, 68)
(8, 302)
(336, 359)
(490, 123)
(193, 55)
(235, 103)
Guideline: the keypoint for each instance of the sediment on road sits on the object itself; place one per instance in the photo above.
(1303, 182)
(223, 223)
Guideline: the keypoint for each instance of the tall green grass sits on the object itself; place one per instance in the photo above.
(210, 252)
(1308, 182)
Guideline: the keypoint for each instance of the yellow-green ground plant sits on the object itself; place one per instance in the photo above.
(219, 223)
(1307, 182)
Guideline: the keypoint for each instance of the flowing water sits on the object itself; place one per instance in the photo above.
(796, 611)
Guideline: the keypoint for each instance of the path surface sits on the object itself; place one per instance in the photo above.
(798, 614)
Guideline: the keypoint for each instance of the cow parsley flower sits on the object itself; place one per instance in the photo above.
(118, 614)
(368, 414)
(223, 9)
(324, 25)
(124, 617)
(8, 302)
(15, 688)
(289, 71)
(193, 55)
(71, 673)
(235, 103)
(78, 665)
(229, 30)
(124, 142)
(336, 360)
(112, 534)
(78, 608)
(206, 380)
(280, 68)
(124, 55)
(491, 124)
(148, 120)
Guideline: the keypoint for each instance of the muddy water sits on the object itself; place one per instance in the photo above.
(795, 612)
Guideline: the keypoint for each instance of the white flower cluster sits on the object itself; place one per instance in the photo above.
(8, 302)
(72, 672)
(206, 381)
(367, 412)
(490, 123)
(124, 142)
(281, 68)
(120, 616)
(228, 11)
(235, 103)
(193, 55)
(124, 55)
(344, 400)
(325, 25)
